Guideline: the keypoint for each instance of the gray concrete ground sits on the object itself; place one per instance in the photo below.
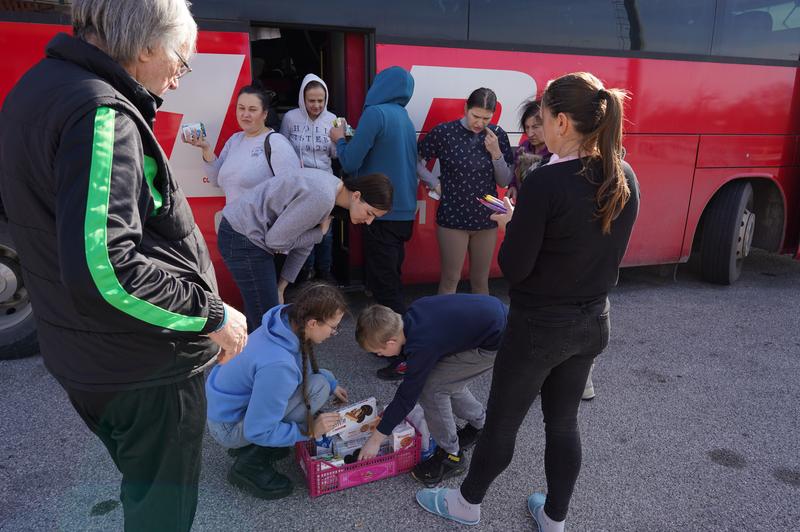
(695, 427)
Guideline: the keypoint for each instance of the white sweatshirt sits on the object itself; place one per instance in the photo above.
(310, 137)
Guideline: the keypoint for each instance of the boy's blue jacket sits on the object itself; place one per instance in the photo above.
(257, 384)
(385, 140)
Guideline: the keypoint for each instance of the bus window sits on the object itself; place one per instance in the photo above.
(758, 29)
(666, 26)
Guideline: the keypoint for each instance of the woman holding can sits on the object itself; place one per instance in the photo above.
(475, 157)
(243, 162)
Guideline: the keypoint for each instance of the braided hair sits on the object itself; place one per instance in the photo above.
(320, 302)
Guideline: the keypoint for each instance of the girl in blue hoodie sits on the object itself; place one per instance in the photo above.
(266, 399)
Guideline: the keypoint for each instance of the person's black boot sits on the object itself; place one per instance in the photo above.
(254, 473)
(271, 454)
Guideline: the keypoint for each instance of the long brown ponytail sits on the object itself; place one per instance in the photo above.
(321, 302)
(597, 113)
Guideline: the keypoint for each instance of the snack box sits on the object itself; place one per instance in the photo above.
(354, 418)
(402, 436)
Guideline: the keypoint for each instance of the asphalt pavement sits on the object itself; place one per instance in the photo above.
(695, 427)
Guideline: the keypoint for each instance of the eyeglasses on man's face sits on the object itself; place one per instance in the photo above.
(185, 68)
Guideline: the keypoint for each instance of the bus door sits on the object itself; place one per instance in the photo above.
(281, 56)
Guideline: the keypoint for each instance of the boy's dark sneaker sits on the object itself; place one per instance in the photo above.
(394, 371)
(468, 436)
(254, 474)
(442, 465)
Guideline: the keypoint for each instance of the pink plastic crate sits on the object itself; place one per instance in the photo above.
(321, 480)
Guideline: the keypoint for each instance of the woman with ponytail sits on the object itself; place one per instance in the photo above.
(563, 245)
(289, 214)
(268, 398)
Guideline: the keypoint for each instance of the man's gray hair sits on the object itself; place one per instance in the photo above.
(126, 28)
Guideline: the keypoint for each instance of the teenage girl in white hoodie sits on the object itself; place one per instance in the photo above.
(307, 129)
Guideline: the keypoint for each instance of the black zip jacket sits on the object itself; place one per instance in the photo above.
(117, 271)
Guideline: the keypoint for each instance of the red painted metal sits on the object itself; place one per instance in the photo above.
(691, 127)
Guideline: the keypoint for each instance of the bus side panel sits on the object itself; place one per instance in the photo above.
(23, 44)
(664, 167)
(220, 54)
(220, 68)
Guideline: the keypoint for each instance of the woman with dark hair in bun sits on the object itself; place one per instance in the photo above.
(243, 163)
(288, 214)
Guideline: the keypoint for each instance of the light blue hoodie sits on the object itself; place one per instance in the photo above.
(256, 385)
(385, 140)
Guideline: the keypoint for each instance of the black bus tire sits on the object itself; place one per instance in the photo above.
(727, 233)
(17, 323)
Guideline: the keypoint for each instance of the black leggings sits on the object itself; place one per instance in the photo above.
(549, 350)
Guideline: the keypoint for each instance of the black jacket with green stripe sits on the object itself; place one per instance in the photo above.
(118, 273)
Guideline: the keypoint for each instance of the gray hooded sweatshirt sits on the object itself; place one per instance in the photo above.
(283, 214)
(310, 137)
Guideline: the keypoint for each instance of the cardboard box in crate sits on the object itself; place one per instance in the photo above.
(323, 477)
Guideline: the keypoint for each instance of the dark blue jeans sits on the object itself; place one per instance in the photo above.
(253, 270)
(549, 351)
(321, 257)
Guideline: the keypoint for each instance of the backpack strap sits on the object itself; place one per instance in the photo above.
(268, 151)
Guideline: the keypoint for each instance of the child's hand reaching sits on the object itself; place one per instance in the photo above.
(341, 394)
(372, 447)
(325, 422)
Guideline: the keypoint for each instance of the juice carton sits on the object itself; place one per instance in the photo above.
(402, 436)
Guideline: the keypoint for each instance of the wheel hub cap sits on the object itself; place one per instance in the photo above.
(746, 230)
(8, 283)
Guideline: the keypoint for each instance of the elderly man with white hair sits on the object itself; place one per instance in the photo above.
(119, 276)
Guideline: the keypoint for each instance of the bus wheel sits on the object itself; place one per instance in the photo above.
(727, 233)
(17, 324)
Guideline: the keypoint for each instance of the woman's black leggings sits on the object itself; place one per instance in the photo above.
(548, 350)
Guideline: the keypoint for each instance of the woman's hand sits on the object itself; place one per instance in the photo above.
(438, 189)
(336, 133)
(326, 224)
(503, 219)
(282, 284)
(325, 422)
(341, 394)
(492, 145)
(202, 143)
(372, 447)
(511, 193)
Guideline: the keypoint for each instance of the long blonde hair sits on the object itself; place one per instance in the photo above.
(597, 113)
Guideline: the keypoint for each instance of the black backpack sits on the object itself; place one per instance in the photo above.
(268, 152)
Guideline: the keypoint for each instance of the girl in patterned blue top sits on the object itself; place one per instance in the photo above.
(474, 158)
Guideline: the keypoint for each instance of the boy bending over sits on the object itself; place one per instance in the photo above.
(449, 341)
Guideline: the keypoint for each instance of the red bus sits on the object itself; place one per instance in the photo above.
(712, 127)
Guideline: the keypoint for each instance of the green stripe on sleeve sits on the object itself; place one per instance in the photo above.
(95, 237)
(150, 169)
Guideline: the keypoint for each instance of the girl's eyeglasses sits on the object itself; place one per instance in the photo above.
(334, 329)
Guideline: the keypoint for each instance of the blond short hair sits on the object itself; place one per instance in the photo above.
(376, 325)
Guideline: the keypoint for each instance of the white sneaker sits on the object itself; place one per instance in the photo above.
(588, 390)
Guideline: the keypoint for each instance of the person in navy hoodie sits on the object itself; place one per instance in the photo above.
(385, 141)
(265, 400)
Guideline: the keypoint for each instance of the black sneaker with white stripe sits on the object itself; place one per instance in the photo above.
(442, 465)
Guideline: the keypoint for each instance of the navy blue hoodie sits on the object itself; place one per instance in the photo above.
(385, 141)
